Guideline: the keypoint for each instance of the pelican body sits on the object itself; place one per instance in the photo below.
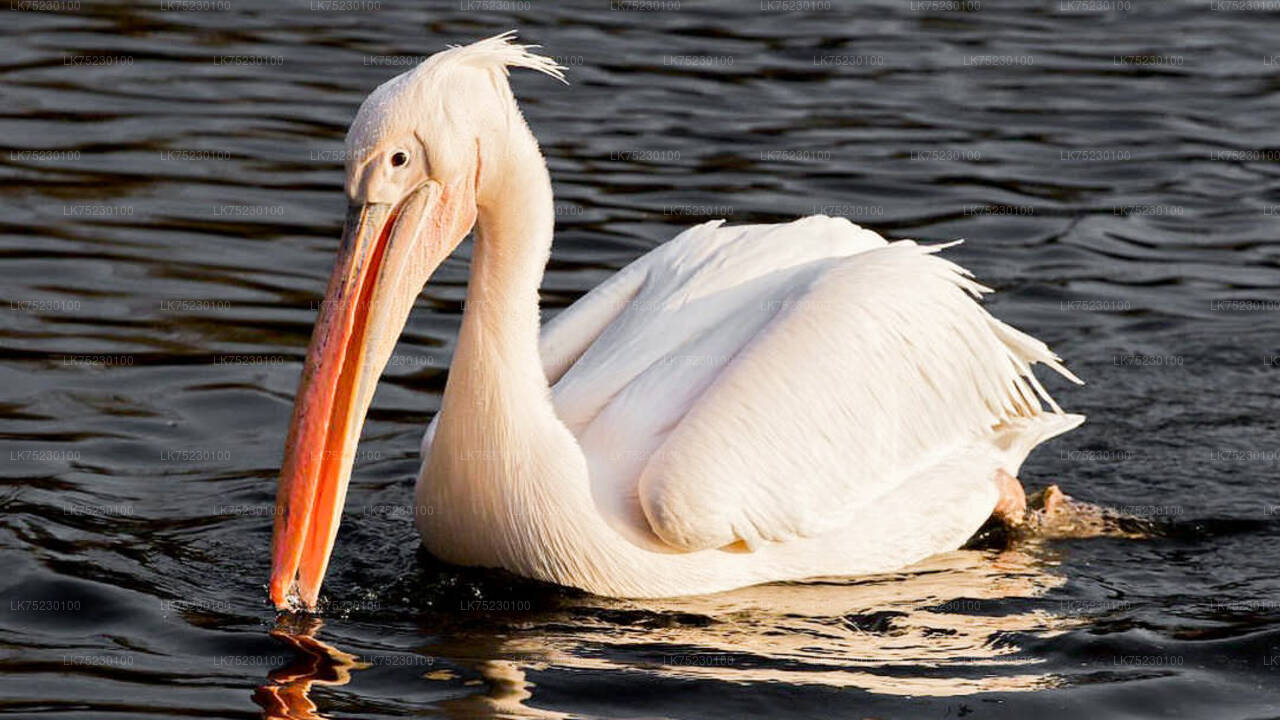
(743, 404)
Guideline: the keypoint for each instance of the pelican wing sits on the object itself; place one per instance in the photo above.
(874, 368)
(640, 332)
(564, 338)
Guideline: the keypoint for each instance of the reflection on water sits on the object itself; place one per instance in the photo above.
(287, 692)
(948, 626)
(940, 629)
(838, 633)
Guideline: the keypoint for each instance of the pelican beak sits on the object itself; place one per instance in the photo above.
(388, 252)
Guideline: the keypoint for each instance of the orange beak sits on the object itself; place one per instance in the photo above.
(321, 441)
(386, 256)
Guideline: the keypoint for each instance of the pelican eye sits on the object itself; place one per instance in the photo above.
(399, 158)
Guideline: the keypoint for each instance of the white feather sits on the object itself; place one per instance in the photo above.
(740, 405)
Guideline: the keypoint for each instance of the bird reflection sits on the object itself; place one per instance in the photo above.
(287, 693)
(949, 626)
(946, 627)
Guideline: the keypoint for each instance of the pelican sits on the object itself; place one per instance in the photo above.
(741, 405)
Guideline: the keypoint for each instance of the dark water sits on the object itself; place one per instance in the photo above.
(171, 201)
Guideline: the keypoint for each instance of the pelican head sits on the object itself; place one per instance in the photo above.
(423, 156)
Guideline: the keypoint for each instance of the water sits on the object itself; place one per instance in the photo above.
(171, 208)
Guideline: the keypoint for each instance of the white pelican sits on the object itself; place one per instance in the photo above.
(740, 405)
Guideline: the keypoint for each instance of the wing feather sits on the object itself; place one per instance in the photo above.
(878, 368)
